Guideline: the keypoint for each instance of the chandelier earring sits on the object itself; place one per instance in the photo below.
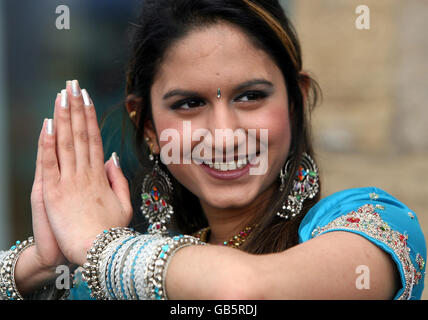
(156, 197)
(305, 185)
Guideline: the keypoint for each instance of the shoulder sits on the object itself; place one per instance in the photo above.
(380, 218)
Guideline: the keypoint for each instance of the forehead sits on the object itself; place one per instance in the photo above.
(218, 51)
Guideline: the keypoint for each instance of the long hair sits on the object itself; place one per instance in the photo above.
(164, 22)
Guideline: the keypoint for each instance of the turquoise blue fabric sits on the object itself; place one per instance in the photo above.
(80, 290)
(384, 220)
(382, 211)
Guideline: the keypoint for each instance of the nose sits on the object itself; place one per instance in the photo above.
(228, 135)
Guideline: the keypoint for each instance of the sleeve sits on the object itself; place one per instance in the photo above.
(3, 255)
(383, 220)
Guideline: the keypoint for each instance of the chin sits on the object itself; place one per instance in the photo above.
(229, 199)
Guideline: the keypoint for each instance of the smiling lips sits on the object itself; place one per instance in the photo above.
(228, 170)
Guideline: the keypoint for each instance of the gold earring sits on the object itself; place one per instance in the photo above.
(133, 114)
(151, 155)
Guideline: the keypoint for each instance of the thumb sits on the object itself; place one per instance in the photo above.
(118, 182)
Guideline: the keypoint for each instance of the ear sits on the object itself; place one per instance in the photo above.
(133, 106)
(150, 136)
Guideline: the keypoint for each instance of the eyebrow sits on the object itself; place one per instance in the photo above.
(189, 93)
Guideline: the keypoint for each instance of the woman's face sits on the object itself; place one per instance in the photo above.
(253, 99)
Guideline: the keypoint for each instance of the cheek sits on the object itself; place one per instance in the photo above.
(277, 121)
(279, 135)
(166, 122)
(279, 128)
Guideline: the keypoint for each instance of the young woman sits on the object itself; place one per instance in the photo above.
(247, 201)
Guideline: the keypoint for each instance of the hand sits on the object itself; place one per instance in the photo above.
(48, 255)
(79, 200)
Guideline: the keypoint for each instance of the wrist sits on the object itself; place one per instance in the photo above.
(92, 259)
(82, 254)
(9, 272)
(30, 273)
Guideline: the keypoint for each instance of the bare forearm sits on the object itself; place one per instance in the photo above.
(323, 268)
(211, 272)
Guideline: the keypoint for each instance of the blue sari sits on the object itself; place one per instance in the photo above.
(381, 219)
(369, 212)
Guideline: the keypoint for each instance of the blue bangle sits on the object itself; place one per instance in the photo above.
(108, 282)
(133, 267)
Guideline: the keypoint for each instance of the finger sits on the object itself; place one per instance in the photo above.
(78, 125)
(118, 181)
(64, 137)
(96, 153)
(37, 189)
(38, 210)
(43, 234)
(50, 167)
(38, 174)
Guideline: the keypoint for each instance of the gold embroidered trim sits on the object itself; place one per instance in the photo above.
(366, 220)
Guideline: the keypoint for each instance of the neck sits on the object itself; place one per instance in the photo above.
(227, 222)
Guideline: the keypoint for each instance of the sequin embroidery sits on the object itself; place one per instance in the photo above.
(368, 221)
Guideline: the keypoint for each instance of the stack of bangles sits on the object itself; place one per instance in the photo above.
(125, 265)
(122, 264)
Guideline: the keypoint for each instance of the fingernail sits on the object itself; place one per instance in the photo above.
(49, 127)
(86, 99)
(115, 159)
(64, 99)
(68, 83)
(75, 90)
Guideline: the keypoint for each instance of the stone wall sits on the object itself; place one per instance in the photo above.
(370, 129)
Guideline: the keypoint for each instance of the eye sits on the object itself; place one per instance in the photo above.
(188, 104)
(251, 96)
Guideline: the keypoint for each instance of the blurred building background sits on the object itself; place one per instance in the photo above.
(370, 129)
(36, 59)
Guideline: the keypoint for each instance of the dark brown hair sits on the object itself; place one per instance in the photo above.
(164, 22)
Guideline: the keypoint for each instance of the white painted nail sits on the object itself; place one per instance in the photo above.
(115, 159)
(49, 127)
(86, 99)
(64, 99)
(75, 90)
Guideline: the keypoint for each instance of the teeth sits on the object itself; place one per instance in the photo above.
(231, 165)
(228, 166)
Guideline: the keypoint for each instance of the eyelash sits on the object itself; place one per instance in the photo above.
(257, 94)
